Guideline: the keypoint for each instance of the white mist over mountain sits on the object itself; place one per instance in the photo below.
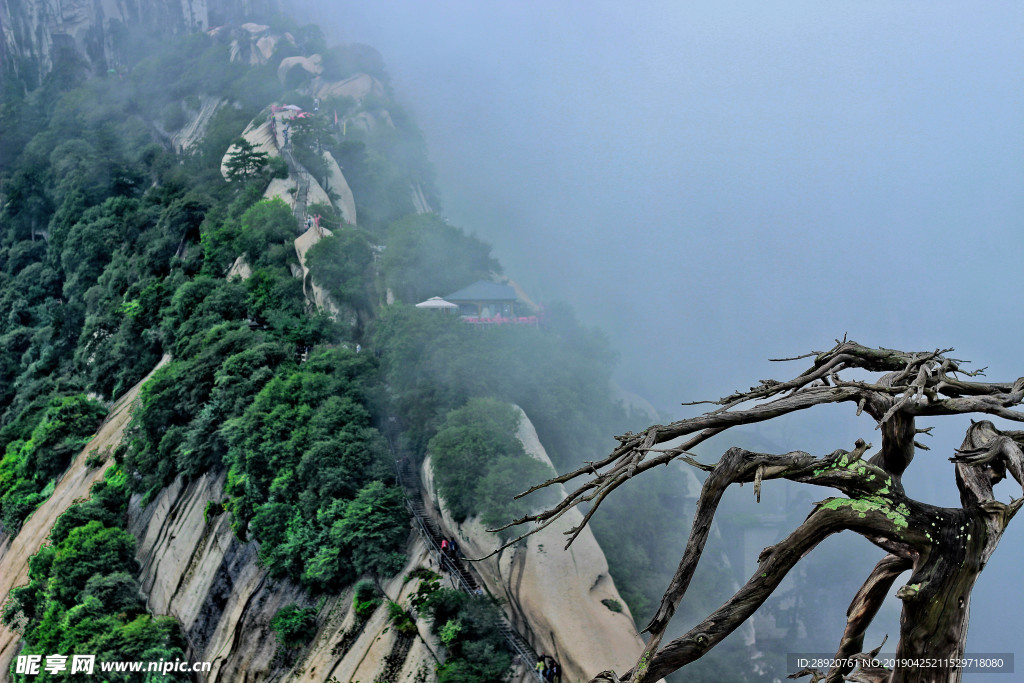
(716, 184)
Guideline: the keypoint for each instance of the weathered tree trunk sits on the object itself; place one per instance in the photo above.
(946, 548)
(937, 599)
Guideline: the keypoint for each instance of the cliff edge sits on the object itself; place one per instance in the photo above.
(565, 601)
(73, 486)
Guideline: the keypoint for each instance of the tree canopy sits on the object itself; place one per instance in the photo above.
(245, 161)
(428, 257)
(479, 463)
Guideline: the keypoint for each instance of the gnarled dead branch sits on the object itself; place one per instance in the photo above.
(944, 548)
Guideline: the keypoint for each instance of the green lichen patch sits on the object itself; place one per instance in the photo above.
(897, 515)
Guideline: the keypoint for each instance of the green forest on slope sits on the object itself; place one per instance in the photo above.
(114, 251)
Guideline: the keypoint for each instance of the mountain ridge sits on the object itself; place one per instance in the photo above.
(132, 244)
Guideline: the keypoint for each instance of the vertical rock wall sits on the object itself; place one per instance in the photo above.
(554, 596)
(33, 32)
(72, 487)
(196, 570)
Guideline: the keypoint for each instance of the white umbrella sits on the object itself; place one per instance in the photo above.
(292, 107)
(436, 302)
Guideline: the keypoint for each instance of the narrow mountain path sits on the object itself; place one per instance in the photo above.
(302, 186)
(462, 574)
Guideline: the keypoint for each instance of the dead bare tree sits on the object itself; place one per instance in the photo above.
(945, 548)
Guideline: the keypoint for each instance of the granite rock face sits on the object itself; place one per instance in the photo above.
(36, 34)
(564, 601)
(195, 569)
(73, 486)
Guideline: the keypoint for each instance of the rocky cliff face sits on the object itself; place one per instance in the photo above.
(269, 138)
(564, 601)
(35, 33)
(193, 566)
(72, 487)
(195, 569)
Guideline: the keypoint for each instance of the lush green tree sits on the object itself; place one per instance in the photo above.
(89, 551)
(82, 595)
(118, 592)
(303, 459)
(28, 468)
(343, 265)
(199, 306)
(107, 505)
(144, 638)
(244, 161)
(87, 246)
(507, 477)
(479, 464)
(471, 439)
(374, 528)
(266, 223)
(427, 257)
(163, 435)
(365, 599)
(293, 625)
(477, 651)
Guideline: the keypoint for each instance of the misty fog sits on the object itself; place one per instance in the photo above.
(717, 184)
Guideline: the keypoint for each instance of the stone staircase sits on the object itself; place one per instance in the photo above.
(302, 186)
(462, 574)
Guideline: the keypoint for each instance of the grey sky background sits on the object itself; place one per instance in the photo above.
(718, 183)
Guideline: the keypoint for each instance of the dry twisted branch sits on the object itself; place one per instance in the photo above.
(911, 387)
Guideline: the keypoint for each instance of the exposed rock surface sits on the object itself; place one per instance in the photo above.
(337, 185)
(553, 596)
(197, 570)
(357, 87)
(419, 200)
(309, 64)
(240, 269)
(193, 131)
(34, 34)
(316, 194)
(314, 292)
(284, 189)
(260, 137)
(367, 121)
(270, 139)
(72, 487)
(636, 403)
